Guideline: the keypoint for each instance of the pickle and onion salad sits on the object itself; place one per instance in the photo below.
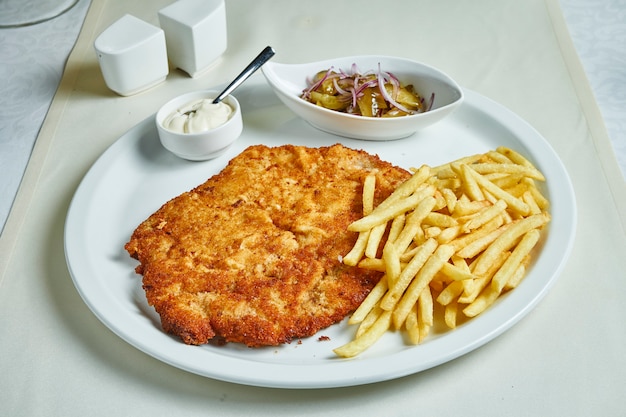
(370, 94)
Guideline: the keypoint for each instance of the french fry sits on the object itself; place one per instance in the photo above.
(532, 203)
(461, 264)
(391, 258)
(450, 293)
(517, 190)
(382, 214)
(463, 241)
(425, 315)
(506, 181)
(540, 199)
(498, 157)
(367, 339)
(422, 279)
(465, 207)
(480, 304)
(450, 314)
(442, 170)
(425, 307)
(369, 187)
(423, 328)
(524, 170)
(459, 235)
(395, 292)
(450, 197)
(413, 223)
(370, 302)
(430, 233)
(440, 220)
(440, 202)
(514, 156)
(456, 273)
(369, 321)
(482, 239)
(518, 276)
(470, 185)
(446, 183)
(374, 239)
(412, 326)
(358, 250)
(484, 216)
(373, 264)
(513, 202)
(483, 281)
(409, 253)
(507, 239)
(509, 267)
(449, 234)
(396, 227)
(408, 187)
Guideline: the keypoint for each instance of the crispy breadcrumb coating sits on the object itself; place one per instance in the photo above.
(253, 255)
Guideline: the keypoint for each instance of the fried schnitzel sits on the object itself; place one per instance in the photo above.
(253, 255)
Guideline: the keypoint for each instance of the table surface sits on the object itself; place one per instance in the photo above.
(563, 360)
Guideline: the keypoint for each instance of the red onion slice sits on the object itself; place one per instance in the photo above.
(359, 82)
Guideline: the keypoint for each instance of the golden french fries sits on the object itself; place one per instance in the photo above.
(458, 235)
(367, 338)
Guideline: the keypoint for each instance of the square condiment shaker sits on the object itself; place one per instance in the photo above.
(195, 33)
(132, 55)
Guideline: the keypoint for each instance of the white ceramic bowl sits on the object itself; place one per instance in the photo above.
(289, 80)
(202, 145)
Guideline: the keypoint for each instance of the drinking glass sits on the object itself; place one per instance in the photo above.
(16, 13)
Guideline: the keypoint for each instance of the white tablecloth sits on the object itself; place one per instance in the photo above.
(32, 63)
(36, 55)
(565, 358)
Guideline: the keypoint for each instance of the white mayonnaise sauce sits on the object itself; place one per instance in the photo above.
(198, 116)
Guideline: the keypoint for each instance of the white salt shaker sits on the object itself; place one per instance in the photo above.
(195, 33)
(132, 55)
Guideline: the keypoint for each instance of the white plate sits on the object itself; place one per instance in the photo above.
(135, 176)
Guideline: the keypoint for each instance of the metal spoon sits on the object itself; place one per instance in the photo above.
(256, 63)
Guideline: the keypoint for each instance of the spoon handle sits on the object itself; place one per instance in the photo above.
(256, 63)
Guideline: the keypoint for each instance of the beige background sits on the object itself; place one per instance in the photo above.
(564, 358)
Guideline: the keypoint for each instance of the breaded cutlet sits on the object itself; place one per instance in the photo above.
(253, 255)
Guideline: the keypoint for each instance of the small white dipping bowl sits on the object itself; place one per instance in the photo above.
(204, 145)
(289, 81)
